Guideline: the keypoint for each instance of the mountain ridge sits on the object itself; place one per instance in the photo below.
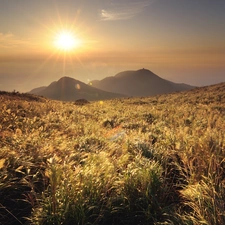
(70, 89)
(142, 82)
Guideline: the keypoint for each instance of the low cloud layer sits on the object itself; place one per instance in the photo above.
(9, 41)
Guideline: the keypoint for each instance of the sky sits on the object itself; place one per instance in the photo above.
(179, 40)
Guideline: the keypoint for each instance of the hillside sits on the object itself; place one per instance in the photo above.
(151, 160)
(37, 90)
(138, 83)
(69, 89)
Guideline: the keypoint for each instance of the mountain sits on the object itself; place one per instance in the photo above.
(138, 83)
(37, 90)
(69, 89)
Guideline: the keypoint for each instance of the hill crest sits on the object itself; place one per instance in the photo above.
(70, 89)
(142, 82)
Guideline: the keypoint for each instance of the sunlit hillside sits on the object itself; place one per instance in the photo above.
(154, 160)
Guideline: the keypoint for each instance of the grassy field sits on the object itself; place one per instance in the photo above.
(157, 160)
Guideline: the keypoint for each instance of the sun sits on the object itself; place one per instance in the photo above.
(66, 41)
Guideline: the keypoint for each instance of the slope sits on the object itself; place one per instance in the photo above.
(138, 83)
(69, 89)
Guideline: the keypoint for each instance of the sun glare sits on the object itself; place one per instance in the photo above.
(66, 41)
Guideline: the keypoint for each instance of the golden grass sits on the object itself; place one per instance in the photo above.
(156, 160)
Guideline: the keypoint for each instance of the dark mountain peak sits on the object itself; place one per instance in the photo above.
(136, 74)
(65, 78)
(68, 80)
(144, 71)
(142, 82)
(70, 89)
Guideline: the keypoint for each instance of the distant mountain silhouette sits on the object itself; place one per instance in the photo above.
(69, 89)
(37, 90)
(138, 83)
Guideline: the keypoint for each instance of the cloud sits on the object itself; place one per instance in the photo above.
(124, 9)
(10, 41)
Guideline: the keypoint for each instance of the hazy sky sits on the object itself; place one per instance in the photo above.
(179, 40)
